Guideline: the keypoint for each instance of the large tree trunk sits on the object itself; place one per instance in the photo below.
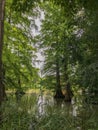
(59, 93)
(2, 89)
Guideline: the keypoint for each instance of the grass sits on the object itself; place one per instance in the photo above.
(17, 115)
(25, 115)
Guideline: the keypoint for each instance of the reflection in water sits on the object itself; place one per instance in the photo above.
(82, 116)
(74, 112)
(43, 102)
(41, 110)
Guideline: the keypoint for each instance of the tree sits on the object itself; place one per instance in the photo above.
(77, 45)
(18, 47)
(19, 51)
(54, 36)
(2, 8)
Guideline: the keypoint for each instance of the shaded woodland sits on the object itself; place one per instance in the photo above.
(64, 33)
(67, 39)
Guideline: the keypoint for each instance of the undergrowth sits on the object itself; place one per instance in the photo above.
(26, 115)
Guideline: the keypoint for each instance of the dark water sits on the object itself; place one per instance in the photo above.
(51, 114)
(82, 116)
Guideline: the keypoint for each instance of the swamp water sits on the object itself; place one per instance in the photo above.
(42, 112)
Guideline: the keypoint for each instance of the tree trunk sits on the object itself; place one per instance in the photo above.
(2, 89)
(59, 93)
(68, 94)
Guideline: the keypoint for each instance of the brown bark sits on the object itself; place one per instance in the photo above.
(68, 94)
(2, 89)
(59, 93)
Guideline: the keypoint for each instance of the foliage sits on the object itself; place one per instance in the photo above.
(25, 114)
(51, 36)
(19, 52)
(68, 38)
(69, 35)
(23, 6)
(16, 115)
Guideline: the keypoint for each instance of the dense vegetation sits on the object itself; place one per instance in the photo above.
(67, 40)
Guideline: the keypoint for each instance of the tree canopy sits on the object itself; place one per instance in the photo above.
(68, 38)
